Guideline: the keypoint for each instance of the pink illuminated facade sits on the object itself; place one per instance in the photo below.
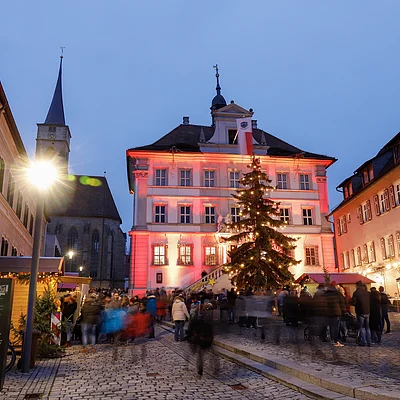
(182, 186)
(367, 229)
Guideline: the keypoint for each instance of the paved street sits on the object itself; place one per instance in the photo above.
(167, 371)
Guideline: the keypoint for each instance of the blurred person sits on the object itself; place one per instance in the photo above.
(375, 316)
(133, 306)
(90, 318)
(179, 315)
(281, 297)
(231, 298)
(240, 309)
(385, 302)
(291, 309)
(361, 302)
(151, 308)
(69, 307)
(319, 311)
(335, 308)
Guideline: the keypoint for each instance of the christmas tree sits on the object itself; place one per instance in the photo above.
(262, 256)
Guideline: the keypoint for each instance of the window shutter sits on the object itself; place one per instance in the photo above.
(391, 196)
(376, 202)
(338, 227)
(369, 213)
(360, 215)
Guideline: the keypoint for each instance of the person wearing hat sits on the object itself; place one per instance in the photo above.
(335, 308)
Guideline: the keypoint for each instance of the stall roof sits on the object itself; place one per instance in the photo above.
(344, 277)
(23, 264)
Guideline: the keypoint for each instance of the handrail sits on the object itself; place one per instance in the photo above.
(205, 279)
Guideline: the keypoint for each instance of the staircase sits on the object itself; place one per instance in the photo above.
(211, 278)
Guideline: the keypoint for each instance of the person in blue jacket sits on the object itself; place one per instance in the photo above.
(151, 308)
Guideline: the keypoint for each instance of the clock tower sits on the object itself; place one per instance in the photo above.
(53, 136)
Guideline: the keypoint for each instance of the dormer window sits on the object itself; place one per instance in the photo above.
(348, 190)
(232, 138)
(396, 150)
(367, 175)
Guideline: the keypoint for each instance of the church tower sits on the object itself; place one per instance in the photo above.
(53, 136)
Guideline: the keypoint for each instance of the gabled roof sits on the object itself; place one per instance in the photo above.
(342, 277)
(186, 137)
(84, 196)
(55, 116)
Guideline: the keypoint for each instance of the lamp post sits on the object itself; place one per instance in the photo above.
(80, 271)
(70, 255)
(42, 175)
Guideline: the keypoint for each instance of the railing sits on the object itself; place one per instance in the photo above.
(205, 279)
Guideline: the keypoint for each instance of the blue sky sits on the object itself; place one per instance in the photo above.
(321, 75)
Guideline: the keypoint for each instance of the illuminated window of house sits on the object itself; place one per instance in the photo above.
(185, 177)
(185, 214)
(353, 258)
(367, 174)
(383, 248)
(366, 255)
(346, 260)
(384, 201)
(209, 178)
(210, 255)
(359, 257)
(390, 246)
(159, 254)
(304, 181)
(398, 242)
(209, 214)
(396, 150)
(307, 216)
(161, 177)
(282, 180)
(160, 214)
(285, 214)
(311, 255)
(185, 254)
(348, 190)
(234, 179)
(397, 193)
(235, 214)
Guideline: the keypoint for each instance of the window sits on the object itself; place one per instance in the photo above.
(366, 214)
(232, 137)
(11, 191)
(396, 150)
(209, 213)
(304, 182)
(353, 258)
(383, 248)
(94, 253)
(348, 190)
(2, 171)
(397, 193)
(342, 225)
(235, 214)
(367, 175)
(159, 277)
(282, 181)
(384, 201)
(161, 177)
(234, 177)
(19, 205)
(285, 214)
(390, 246)
(185, 177)
(346, 260)
(307, 216)
(159, 254)
(26, 216)
(185, 214)
(359, 258)
(72, 245)
(160, 216)
(31, 225)
(311, 254)
(14, 251)
(210, 255)
(185, 255)
(209, 178)
(365, 257)
(4, 247)
(372, 251)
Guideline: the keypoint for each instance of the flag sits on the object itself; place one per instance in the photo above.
(245, 136)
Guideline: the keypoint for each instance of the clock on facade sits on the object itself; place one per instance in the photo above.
(51, 135)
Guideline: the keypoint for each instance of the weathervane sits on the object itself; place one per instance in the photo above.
(62, 51)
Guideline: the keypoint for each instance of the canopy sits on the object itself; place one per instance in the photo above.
(344, 278)
(23, 264)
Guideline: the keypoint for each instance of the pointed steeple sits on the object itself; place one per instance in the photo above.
(218, 101)
(55, 116)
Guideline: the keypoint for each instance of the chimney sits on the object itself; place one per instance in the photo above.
(185, 120)
(254, 123)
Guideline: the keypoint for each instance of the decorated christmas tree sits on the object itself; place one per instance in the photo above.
(262, 254)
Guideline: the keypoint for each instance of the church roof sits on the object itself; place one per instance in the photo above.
(186, 137)
(86, 197)
(55, 116)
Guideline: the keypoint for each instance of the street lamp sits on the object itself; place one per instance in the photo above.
(80, 271)
(41, 175)
(70, 255)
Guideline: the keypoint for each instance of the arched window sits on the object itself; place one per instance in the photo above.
(94, 254)
(72, 245)
(110, 254)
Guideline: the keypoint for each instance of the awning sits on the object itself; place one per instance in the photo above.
(71, 282)
(344, 278)
(23, 264)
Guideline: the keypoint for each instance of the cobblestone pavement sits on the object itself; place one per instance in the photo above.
(378, 364)
(165, 370)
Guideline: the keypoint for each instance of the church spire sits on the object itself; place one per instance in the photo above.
(55, 116)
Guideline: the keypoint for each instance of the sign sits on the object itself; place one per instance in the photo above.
(6, 299)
